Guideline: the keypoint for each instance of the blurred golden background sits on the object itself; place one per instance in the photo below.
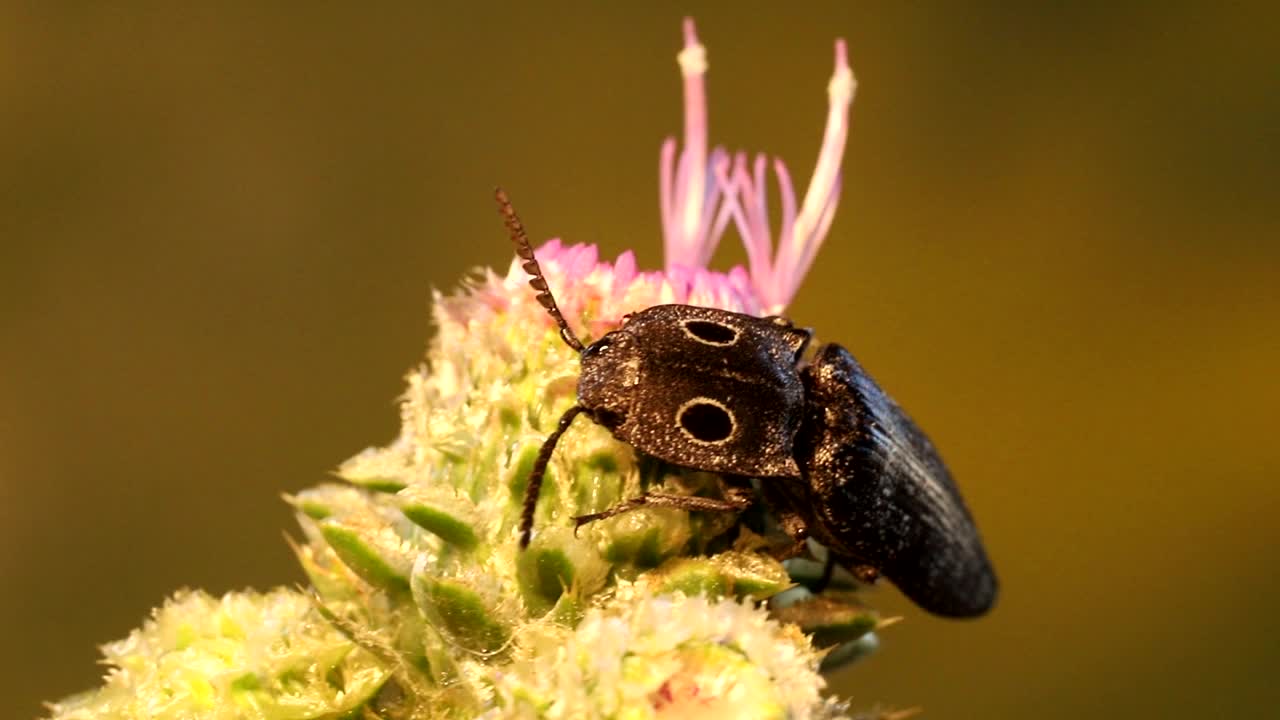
(1057, 246)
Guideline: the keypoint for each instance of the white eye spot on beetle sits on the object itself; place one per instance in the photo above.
(706, 421)
(709, 332)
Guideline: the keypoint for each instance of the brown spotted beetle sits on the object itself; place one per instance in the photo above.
(836, 457)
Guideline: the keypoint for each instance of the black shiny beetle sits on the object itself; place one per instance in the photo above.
(837, 459)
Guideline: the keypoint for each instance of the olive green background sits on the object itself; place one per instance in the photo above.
(1058, 246)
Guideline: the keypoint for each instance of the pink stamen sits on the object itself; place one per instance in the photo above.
(788, 194)
(778, 278)
(690, 196)
(666, 178)
(753, 225)
(825, 179)
(693, 65)
(720, 165)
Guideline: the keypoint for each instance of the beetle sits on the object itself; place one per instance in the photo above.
(836, 458)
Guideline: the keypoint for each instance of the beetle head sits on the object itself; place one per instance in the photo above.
(610, 373)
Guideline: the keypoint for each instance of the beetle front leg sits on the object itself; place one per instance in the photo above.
(787, 499)
(736, 500)
(539, 471)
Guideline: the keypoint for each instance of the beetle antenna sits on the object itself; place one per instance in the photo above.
(530, 264)
(539, 471)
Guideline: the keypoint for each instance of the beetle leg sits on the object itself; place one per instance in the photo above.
(786, 499)
(539, 471)
(787, 549)
(808, 338)
(828, 569)
(736, 500)
(865, 573)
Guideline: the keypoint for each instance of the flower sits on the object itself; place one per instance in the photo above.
(699, 194)
(421, 602)
(670, 656)
(244, 655)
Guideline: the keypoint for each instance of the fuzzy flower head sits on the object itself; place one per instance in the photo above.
(244, 655)
(422, 603)
(673, 656)
(700, 192)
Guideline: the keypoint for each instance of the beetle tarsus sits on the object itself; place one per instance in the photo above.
(733, 502)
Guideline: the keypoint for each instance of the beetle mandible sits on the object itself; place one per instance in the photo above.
(837, 459)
